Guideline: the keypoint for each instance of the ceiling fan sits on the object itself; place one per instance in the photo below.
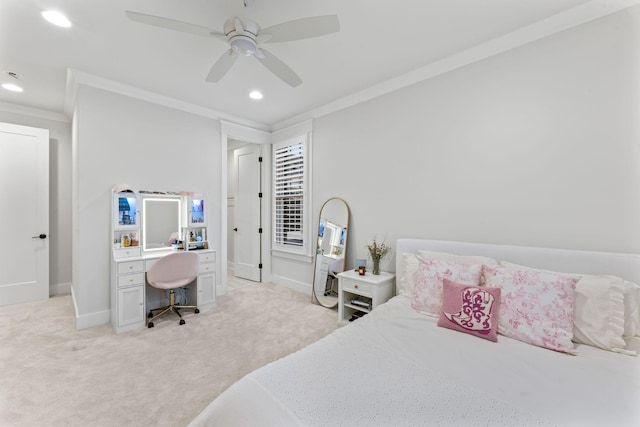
(245, 37)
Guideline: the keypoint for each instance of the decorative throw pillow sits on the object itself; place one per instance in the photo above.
(427, 295)
(604, 310)
(536, 306)
(470, 309)
(460, 259)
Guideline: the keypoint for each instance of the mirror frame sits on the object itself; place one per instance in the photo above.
(346, 226)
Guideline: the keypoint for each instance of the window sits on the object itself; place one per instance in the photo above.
(290, 195)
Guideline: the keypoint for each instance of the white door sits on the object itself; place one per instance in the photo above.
(247, 212)
(24, 214)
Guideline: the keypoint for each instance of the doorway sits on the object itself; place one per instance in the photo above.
(244, 210)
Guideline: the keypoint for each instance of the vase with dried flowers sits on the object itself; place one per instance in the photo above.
(377, 251)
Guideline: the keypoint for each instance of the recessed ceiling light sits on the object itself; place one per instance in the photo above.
(255, 95)
(12, 87)
(56, 18)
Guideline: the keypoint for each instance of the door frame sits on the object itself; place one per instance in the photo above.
(230, 131)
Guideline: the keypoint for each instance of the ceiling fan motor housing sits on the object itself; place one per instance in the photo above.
(242, 38)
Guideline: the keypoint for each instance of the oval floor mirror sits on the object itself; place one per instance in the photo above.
(331, 249)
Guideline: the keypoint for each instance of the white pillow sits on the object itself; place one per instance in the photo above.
(598, 318)
(407, 282)
(631, 293)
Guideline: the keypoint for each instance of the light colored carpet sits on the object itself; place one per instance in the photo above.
(53, 375)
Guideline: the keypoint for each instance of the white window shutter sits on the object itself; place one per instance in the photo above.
(289, 178)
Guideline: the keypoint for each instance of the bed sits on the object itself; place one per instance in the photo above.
(397, 367)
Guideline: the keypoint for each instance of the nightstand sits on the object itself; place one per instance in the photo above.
(358, 295)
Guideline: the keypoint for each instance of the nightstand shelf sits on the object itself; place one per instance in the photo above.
(372, 290)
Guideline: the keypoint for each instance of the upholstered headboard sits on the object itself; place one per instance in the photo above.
(622, 265)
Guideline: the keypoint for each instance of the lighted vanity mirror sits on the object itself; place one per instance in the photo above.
(333, 226)
(161, 222)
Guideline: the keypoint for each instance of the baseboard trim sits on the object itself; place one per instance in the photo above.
(89, 320)
(93, 319)
(296, 285)
(60, 289)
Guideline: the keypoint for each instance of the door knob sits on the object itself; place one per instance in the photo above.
(40, 236)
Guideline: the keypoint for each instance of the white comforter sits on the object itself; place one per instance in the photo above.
(395, 367)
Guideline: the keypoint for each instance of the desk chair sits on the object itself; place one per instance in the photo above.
(171, 272)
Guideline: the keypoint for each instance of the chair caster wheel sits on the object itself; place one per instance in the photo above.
(150, 315)
(150, 325)
(197, 311)
(182, 322)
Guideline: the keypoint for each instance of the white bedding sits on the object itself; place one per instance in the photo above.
(395, 367)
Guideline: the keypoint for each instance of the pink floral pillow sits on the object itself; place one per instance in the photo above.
(536, 306)
(427, 294)
(470, 309)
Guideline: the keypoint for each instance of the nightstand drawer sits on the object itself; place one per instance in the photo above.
(358, 287)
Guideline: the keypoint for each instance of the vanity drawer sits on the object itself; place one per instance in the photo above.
(207, 257)
(207, 267)
(358, 287)
(130, 280)
(127, 252)
(130, 267)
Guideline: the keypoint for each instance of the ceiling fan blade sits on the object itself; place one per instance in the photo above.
(279, 68)
(221, 66)
(304, 28)
(263, 38)
(171, 24)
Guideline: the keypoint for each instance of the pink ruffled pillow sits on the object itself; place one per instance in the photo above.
(470, 309)
(427, 295)
(536, 306)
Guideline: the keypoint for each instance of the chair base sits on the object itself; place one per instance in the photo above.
(172, 307)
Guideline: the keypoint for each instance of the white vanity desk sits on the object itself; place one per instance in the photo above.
(131, 298)
(146, 227)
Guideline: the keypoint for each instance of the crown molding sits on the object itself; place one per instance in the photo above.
(293, 130)
(245, 133)
(33, 112)
(75, 78)
(560, 22)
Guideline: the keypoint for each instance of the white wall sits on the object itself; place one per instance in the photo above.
(59, 193)
(536, 146)
(125, 140)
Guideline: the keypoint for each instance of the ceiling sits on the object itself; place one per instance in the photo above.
(379, 41)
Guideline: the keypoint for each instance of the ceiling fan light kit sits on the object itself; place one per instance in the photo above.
(245, 38)
(242, 38)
